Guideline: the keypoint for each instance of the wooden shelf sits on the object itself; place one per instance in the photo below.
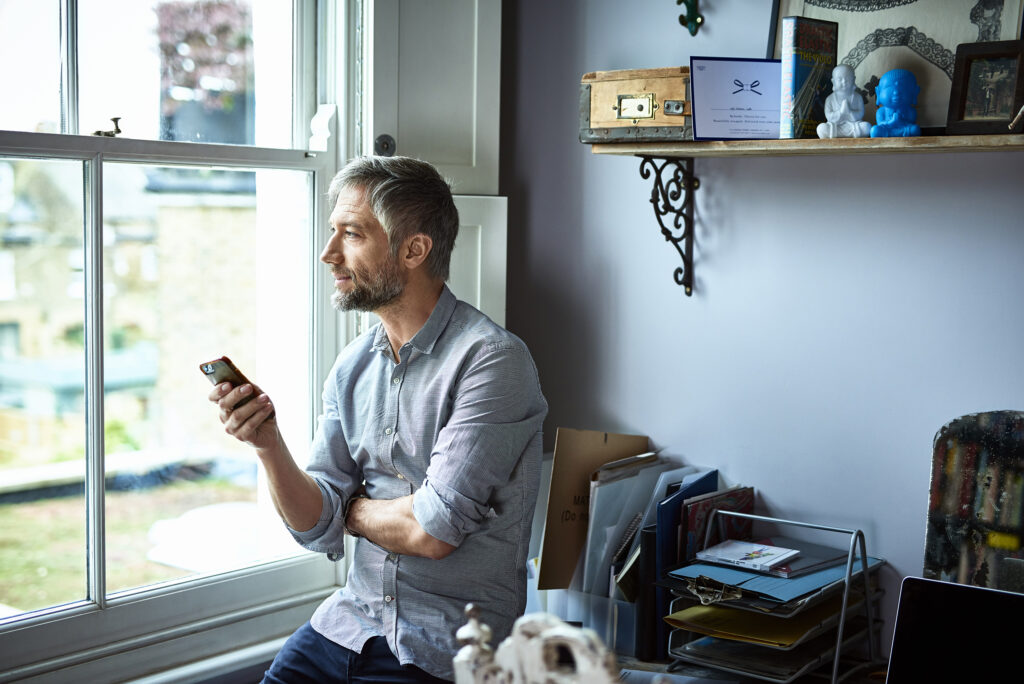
(772, 148)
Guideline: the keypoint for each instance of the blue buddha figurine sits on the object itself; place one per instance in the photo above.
(896, 95)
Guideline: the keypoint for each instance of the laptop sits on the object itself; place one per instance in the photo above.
(956, 633)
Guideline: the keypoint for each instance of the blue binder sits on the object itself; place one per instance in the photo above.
(667, 545)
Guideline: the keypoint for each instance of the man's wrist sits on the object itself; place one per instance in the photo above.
(348, 510)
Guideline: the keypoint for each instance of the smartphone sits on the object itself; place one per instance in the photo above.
(223, 370)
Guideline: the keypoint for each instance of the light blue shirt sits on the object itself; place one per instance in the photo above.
(457, 424)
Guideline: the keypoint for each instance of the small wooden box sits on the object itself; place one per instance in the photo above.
(645, 105)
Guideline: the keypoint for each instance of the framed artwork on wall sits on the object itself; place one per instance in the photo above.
(988, 87)
(920, 35)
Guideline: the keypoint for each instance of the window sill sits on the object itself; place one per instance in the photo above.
(142, 634)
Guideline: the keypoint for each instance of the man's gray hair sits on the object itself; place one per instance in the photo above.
(407, 196)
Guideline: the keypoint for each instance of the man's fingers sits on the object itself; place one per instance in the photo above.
(227, 397)
(219, 391)
(244, 422)
(239, 414)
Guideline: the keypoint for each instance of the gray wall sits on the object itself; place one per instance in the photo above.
(845, 308)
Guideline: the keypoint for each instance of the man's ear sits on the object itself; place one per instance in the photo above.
(416, 250)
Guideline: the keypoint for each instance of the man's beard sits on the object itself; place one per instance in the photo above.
(370, 292)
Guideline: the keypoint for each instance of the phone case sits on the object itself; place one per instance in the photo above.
(223, 370)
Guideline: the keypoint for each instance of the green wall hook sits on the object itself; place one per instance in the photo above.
(692, 19)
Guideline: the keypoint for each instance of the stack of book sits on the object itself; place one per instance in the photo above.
(745, 554)
(805, 557)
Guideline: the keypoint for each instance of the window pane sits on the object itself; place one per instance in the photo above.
(30, 53)
(187, 70)
(198, 264)
(42, 380)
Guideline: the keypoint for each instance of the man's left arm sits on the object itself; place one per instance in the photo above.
(391, 524)
(497, 410)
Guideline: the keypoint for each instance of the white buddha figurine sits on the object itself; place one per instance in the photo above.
(844, 108)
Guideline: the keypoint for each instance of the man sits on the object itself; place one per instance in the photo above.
(428, 449)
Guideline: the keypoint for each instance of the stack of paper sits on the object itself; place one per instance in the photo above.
(766, 630)
(767, 664)
(618, 491)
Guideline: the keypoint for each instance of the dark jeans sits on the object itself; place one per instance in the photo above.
(309, 658)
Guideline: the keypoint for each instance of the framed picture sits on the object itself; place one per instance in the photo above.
(735, 99)
(920, 35)
(988, 87)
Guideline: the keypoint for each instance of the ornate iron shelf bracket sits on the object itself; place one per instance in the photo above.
(673, 196)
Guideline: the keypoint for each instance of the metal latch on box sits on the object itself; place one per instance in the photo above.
(635, 107)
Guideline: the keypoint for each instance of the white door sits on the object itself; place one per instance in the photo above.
(434, 86)
(479, 258)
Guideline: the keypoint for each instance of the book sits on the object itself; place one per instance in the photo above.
(738, 499)
(745, 554)
(623, 565)
(808, 51)
(966, 477)
(812, 557)
(627, 577)
(938, 474)
(626, 540)
(951, 493)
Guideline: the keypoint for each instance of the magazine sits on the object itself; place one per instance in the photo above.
(745, 554)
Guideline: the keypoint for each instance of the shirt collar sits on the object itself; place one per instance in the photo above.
(426, 337)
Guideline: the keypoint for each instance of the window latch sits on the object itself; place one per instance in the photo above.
(113, 133)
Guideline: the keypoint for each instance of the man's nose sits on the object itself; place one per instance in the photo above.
(332, 253)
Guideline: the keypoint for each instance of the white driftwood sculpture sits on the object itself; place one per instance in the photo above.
(540, 650)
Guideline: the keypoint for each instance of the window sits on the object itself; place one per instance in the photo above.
(180, 70)
(132, 530)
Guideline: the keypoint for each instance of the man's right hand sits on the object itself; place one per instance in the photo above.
(295, 494)
(254, 423)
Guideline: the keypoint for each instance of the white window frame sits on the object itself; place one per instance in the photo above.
(127, 635)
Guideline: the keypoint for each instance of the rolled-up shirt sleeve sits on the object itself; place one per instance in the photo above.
(497, 409)
(336, 473)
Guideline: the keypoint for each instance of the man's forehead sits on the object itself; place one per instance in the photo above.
(351, 203)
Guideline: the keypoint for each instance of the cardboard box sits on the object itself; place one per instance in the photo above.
(635, 105)
(578, 453)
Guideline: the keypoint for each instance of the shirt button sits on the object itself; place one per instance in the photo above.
(389, 598)
(396, 380)
(392, 557)
(401, 476)
(388, 431)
